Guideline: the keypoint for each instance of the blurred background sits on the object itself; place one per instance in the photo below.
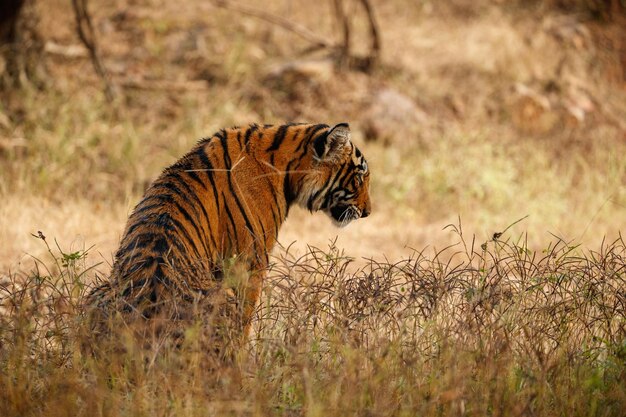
(478, 113)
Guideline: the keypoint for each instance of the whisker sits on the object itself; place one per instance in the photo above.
(217, 169)
(344, 219)
(351, 213)
(284, 172)
(237, 163)
(271, 166)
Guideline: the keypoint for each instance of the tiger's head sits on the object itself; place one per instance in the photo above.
(338, 183)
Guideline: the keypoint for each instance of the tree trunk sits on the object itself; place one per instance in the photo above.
(9, 12)
(20, 44)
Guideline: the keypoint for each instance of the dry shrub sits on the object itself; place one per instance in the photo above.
(474, 331)
(491, 329)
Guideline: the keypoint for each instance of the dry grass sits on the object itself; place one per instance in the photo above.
(490, 329)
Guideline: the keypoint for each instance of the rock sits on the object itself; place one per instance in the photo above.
(391, 116)
(313, 70)
(532, 112)
(578, 105)
(536, 113)
(14, 147)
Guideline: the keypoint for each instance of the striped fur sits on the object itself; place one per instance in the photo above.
(224, 200)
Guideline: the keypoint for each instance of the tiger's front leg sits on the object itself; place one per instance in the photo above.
(242, 289)
(250, 298)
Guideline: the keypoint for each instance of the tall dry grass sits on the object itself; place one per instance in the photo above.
(490, 329)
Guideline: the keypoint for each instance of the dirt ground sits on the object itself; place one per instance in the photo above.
(482, 113)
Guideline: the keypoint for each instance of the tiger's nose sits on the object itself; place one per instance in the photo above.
(365, 212)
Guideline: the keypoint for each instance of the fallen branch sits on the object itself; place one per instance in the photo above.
(341, 51)
(284, 23)
(68, 51)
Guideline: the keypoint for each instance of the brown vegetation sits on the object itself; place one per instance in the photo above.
(491, 329)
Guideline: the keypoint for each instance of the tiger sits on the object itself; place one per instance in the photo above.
(224, 201)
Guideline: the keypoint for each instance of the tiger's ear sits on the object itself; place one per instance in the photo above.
(329, 147)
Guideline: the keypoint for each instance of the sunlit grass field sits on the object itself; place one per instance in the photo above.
(490, 278)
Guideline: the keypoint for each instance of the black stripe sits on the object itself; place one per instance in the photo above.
(270, 185)
(319, 145)
(224, 140)
(262, 231)
(310, 133)
(342, 173)
(140, 210)
(161, 198)
(207, 163)
(276, 204)
(325, 189)
(191, 221)
(172, 187)
(182, 233)
(198, 204)
(182, 164)
(277, 223)
(253, 128)
(312, 129)
(350, 177)
(331, 185)
(135, 257)
(230, 184)
(232, 220)
(163, 220)
(140, 264)
(309, 203)
(239, 139)
(297, 134)
(160, 245)
(204, 141)
(288, 192)
(295, 162)
(177, 244)
(137, 223)
(171, 183)
(139, 242)
(241, 209)
(194, 176)
(279, 137)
